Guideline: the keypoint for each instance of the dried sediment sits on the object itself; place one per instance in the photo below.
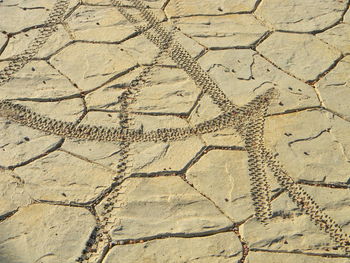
(50, 26)
(23, 115)
(248, 121)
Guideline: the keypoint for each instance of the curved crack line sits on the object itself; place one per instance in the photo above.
(174, 235)
(308, 138)
(53, 148)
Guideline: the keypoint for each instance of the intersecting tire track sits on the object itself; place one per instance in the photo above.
(254, 142)
(248, 120)
(55, 17)
(100, 238)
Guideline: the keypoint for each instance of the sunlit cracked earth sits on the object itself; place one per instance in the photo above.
(183, 201)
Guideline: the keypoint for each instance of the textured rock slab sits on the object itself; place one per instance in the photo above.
(3, 39)
(20, 42)
(301, 15)
(44, 233)
(157, 4)
(223, 247)
(146, 157)
(21, 14)
(104, 153)
(294, 94)
(141, 49)
(227, 171)
(197, 7)
(97, 2)
(21, 144)
(192, 46)
(151, 157)
(346, 17)
(69, 179)
(18, 144)
(340, 128)
(307, 139)
(150, 207)
(169, 91)
(12, 193)
(302, 55)
(151, 3)
(37, 80)
(334, 88)
(101, 23)
(156, 157)
(260, 257)
(106, 97)
(223, 31)
(338, 36)
(14, 18)
(33, 4)
(91, 68)
(290, 230)
(65, 110)
(154, 211)
(206, 110)
(243, 74)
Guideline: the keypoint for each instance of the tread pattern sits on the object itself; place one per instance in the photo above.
(50, 26)
(248, 121)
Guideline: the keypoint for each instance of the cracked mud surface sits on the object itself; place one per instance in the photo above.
(66, 198)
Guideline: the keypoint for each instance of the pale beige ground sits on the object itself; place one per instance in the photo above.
(183, 198)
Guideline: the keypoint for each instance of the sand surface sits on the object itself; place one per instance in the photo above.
(219, 131)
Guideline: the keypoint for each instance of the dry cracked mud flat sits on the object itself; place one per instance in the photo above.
(174, 131)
